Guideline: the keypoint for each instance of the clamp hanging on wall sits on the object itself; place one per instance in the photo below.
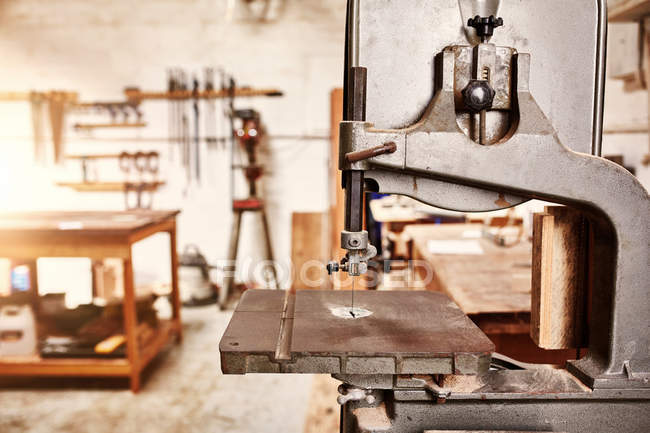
(121, 113)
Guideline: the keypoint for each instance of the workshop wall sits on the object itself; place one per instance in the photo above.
(97, 48)
(625, 111)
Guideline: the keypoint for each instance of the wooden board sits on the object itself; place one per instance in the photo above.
(94, 156)
(109, 125)
(27, 96)
(309, 250)
(86, 221)
(493, 288)
(497, 281)
(79, 367)
(558, 279)
(82, 367)
(110, 186)
(78, 234)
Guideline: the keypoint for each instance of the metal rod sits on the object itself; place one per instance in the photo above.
(353, 179)
(601, 56)
(362, 155)
(197, 141)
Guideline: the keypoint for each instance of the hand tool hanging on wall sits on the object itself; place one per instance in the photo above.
(57, 106)
(225, 127)
(230, 113)
(37, 100)
(171, 113)
(58, 103)
(179, 94)
(185, 127)
(197, 138)
(180, 109)
(120, 112)
(210, 112)
(178, 113)
(140, 175)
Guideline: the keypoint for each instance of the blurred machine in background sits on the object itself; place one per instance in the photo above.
(249, 134)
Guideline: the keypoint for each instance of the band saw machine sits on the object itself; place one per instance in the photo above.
(469, 105)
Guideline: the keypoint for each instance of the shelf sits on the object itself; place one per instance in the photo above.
(110, 186)
(629, 11)
(28, 96)
(94, 156)
(138, 95)
(166, 330)
(88, 367)
(87, 126)
(37, 366)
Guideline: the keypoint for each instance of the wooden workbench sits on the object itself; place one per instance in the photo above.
(96, 235)
(492, 288)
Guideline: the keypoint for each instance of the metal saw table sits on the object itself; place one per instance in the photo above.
(311, 332)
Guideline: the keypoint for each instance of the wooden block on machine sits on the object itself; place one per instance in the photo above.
(559, 282)
(309, 250)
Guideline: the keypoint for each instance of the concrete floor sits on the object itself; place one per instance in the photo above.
(184, 392)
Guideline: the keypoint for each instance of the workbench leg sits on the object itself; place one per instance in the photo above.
(269, 249)
(175, 295)
(130, 325)
(229, 277)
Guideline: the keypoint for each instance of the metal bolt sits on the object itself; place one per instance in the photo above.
(478, 95)
(332, 267)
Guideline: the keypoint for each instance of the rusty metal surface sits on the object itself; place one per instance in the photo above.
(407, 333)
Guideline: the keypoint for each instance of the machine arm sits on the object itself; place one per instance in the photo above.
(434, 155)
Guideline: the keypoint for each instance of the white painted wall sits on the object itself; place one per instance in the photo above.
(625, 110)
(99, 47)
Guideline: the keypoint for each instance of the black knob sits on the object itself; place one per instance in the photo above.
(478, 95)
(485, 25)
(332, 267)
